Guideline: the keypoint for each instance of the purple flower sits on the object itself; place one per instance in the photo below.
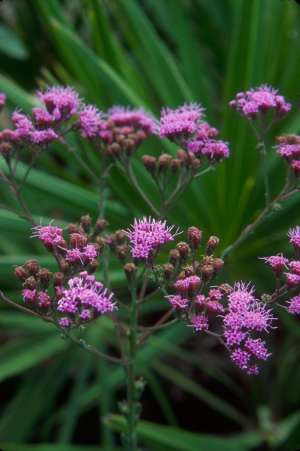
(246, 316)
(147, 235)
(61, 102)
(294, 236)
(199, 322)
(295, 267)
(276, 262)
(29, 295)
(74, 255)
(294, 305)
(292, 279)
(288, 151)
(51, 236)
(178, 302)
(24, 126)
(85, 294)
(44, 300)
(260, 100)
(138, 119)
(42, 137)
(65, 322)
(212, 149)
(42, 117)
(90, 121)
(181, 122)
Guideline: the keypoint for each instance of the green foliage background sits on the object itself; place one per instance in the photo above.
(151, 53)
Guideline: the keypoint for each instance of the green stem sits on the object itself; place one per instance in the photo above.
(132, 413)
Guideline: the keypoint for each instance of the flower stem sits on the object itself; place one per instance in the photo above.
(132, 414)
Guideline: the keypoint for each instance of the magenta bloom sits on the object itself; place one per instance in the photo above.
(292, 279)
(51, 236)
(180, 122)
(246, 316)
(199, 322)
(147, 235)
(260, 100)
(29, 295)
(178, 302)
(295, 165)
(294, 236)
(295, 266)
(85, 299)
(43, 137)
(138, 119)
(288, 151)
(42, 118)
(276, 262)
(90, 121)
(24, 126)
(212, 149)
(61, 102)
(294, 305)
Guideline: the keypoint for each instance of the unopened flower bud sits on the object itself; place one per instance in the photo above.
(226, 288)
(21, 273)
(194, 236)
(149, 162)
(183, 249)
(64, 266)
(30, 282)
(73, 228)
(195, 164)
(101, 224)
(122, 251)
(44, 275)
(5, 148)
(78, 239)
(188, 271)
(212, 244)
(207, 272)
(120, 236)
(58, 279)
(100, 241)
(168, 269)
(86, 222)
(32, 266)
(218, 264)
(113, 150)
(93, 265)
(175, 164)
(174, 256)
(130, 270)
(182, 155)
(164, 161)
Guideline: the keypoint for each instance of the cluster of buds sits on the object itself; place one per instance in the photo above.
(191, 276)
(36, 282)
(118, 243)
(165, 163)
(125, 130)
(185, 126)
(75, 252)
(259, 101)
(72, 296)
(287, 273)
(288, 147)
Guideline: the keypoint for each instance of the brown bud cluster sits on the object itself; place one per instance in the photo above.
(123, 139)
(288, 139)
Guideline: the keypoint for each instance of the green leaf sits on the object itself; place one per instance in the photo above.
(173, 439)
(11, 45)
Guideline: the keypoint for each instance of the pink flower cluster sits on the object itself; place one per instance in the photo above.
(83, 300)
(80, 253)
(36, 298)
(290, 270)
(185, 126)
(245, 320)
(260, 100)
(288, 147)
(147, 235)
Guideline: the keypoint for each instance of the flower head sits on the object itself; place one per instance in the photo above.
(138, 119)
(178, 302)
(90, 121)
(147, 235)
(294, 305)
(61, 102)
(199, 322)
(51, 236)
(276, 262)
(294, 236)
(181, 122)
(260, 100)
(85, 298)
